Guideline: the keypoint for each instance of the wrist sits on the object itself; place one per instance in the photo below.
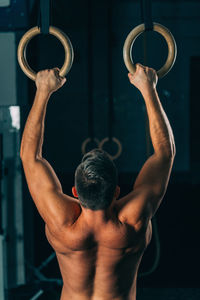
(44, 93)
(148, 91)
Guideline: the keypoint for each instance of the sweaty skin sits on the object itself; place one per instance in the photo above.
(99, 252)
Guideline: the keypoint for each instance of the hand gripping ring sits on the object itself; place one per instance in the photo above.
(87, 141)
(61, 36)
(172, 49)
(115, 140)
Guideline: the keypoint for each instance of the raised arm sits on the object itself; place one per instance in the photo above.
(56, 208)
(152, 181)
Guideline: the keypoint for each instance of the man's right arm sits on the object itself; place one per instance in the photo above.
(152, 181)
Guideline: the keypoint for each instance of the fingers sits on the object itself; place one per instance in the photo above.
(63, 81)
(55, 71)
(51, 77)
(130, 75)
(140, 68)
(57, 74)
(145, 68)
(138, 65)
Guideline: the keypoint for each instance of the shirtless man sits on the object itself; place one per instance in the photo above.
(99, 242)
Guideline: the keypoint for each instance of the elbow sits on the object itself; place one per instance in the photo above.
(23, 157)
(172, 152)
(27, 156)
(171, 155)
(21, 153)
(168, 148)
(169, 152)
(174, 149)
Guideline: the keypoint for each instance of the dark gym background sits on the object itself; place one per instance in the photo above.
(178, 221)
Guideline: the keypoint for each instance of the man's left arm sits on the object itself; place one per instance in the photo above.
(56, 208)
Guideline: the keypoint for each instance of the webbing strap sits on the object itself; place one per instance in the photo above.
(146, 14)
(44, 16)
(90, 73)
(109, 63)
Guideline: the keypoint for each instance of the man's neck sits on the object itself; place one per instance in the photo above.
(97, 216)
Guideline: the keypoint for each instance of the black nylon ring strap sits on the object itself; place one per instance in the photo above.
(91, 139)
(110, 137)
(90, 73)
(109, 64)
(146, 14)
(44, 16)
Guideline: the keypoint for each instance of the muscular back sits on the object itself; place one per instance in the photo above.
(99, 261)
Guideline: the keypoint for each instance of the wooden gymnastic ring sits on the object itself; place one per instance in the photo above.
(115, 140)
(60, 35)
(86, 141)
(172, 49)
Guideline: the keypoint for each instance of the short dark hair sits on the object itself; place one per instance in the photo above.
(96, 180)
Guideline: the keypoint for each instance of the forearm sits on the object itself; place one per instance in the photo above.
(32, 139)
(160, 129)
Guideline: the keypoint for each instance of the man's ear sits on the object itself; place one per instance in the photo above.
(117, 191)
(74, 192)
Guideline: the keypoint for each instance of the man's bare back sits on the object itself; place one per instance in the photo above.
(100, 262)
(99, 241)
